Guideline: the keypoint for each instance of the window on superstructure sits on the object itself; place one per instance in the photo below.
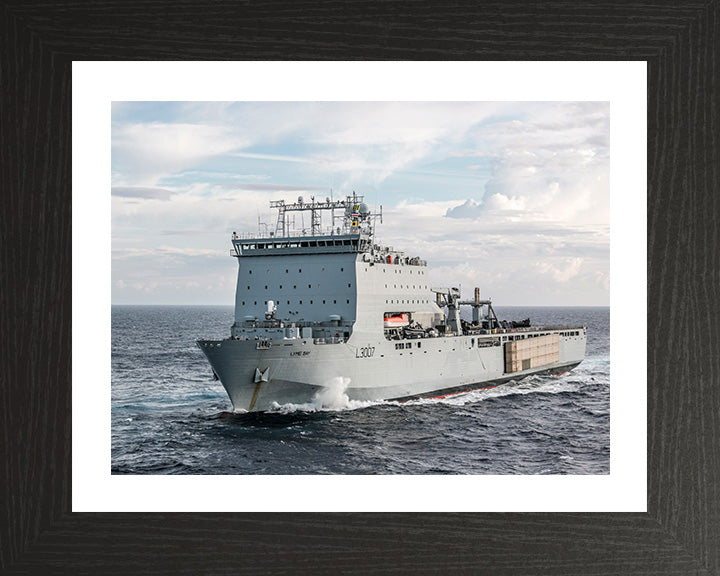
(334, 301)
(347, 301)
(342, 269)
(310, 301)
(249, 271)
(349, 285)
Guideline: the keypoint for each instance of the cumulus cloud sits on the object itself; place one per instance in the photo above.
(553, 166)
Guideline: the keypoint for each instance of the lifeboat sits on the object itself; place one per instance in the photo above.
(396, 320)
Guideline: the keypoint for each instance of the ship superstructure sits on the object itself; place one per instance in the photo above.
(317, 306)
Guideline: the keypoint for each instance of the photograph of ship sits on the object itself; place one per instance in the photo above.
(360, 288)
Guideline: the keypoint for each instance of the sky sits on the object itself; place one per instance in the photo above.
(513, 197)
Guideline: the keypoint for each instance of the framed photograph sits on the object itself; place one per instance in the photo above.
(63, 517)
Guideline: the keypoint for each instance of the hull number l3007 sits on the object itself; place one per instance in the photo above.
(365, 352)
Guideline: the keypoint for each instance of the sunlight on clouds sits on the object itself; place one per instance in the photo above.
(513, 197)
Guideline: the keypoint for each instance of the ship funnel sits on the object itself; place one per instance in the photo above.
(477, 295)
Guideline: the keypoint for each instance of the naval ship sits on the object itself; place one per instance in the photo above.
(317, 306)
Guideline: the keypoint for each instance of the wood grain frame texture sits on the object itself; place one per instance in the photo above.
(680, 533)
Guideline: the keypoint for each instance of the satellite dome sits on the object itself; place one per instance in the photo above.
(363, 210)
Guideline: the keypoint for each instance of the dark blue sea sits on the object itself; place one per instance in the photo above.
(170, 417)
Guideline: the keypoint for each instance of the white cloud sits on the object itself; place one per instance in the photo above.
(145, 152)
(527, 216)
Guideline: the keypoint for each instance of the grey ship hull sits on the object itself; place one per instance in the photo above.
(259, 377)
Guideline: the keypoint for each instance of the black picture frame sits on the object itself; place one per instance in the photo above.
(680, 533)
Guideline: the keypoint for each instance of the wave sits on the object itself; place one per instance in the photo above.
(331, 397)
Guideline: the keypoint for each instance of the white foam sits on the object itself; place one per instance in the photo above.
(331, 397)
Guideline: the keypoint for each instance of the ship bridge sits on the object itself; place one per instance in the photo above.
(323, 244)
(330, 280)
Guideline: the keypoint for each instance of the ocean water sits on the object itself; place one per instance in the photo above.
(170, 417)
